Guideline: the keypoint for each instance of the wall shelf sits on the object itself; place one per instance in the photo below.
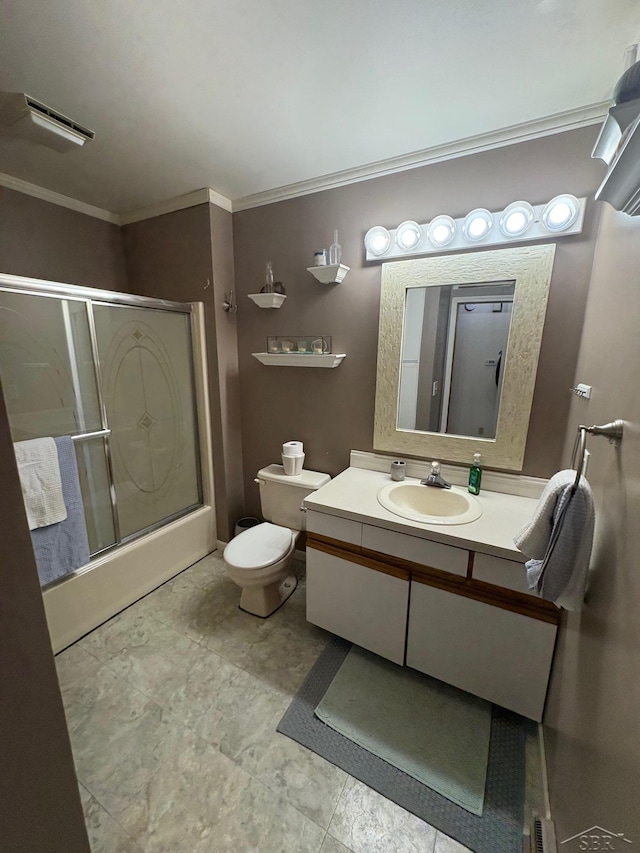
(330, 273)
(299, 359)
(267, 300)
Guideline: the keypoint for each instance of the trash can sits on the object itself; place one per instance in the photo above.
(245, 523)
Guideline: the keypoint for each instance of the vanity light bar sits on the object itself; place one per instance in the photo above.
(518, 222)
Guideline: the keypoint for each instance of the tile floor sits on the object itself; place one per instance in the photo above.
(172, 708)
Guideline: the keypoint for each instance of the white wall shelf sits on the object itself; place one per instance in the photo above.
(267, 300)
(299, 359)
(330, 273)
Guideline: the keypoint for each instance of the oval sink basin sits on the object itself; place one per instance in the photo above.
(428, 504)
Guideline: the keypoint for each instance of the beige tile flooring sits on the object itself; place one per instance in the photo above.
(172, 708)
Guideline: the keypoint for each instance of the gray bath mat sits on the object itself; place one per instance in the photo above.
(498, 830)
(428, 729)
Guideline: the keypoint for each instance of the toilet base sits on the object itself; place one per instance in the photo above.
(264, 600)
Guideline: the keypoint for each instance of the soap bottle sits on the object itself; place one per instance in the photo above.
(475, 475)
(335, 251)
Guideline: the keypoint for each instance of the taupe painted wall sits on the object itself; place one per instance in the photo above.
(332, 410)
(228, 442)
(43, 240)
(40, 804)
(593, 734)
(186, 256)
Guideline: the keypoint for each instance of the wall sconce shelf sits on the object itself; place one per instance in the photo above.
(329, 273)
(267, 300)
(300, 359)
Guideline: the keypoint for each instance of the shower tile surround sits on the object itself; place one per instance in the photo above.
(172, 708)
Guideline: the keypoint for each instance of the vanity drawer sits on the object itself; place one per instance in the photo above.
(334, 527)
(362, 605)
(434, 555)
(502, 656)
(505, 573)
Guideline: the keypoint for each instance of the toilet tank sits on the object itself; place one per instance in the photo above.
(282, 495)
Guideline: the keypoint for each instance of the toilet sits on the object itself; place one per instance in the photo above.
(258, 559)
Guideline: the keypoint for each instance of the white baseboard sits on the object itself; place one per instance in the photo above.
(543, 773)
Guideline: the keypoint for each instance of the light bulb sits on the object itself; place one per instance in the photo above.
(408, 234)
(516, 219)
(560, 213)
(441, 231)
(377, 240)
(477, 224)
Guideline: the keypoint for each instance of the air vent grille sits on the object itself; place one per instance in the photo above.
(543, 836)
(67, 122)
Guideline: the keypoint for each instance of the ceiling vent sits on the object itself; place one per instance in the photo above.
(23, 116)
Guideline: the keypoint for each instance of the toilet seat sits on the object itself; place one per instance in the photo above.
(259, 546)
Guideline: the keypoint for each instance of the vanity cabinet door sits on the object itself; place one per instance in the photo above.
(494, 653)
(363, 605)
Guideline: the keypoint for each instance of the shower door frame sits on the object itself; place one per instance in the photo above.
(199, 516)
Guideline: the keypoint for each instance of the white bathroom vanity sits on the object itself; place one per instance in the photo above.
(450, 600)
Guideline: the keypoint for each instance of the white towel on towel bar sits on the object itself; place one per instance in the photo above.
(39, 471)
(559, 573)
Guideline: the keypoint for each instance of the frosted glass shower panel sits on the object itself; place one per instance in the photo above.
(94, 485)
(145, 362)
(46, 366)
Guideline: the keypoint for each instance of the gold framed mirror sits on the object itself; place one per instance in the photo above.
(458, 351)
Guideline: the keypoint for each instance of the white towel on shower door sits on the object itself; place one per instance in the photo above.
(41, 483)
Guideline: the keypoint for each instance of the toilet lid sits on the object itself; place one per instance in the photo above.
(258, 546)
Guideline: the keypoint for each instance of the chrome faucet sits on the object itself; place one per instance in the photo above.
(435, 478)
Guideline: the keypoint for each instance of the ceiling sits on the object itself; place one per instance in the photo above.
(246, 96)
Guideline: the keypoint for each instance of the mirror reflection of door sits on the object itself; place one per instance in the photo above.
(455, 337)
(473, 376)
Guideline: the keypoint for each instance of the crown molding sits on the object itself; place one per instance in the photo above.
(221, 200)
(170, 205)
(11, 183)
(201, 196)
(547, 126)
(523, 132)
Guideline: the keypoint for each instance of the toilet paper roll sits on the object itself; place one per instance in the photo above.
(293, 464)
(292, 448)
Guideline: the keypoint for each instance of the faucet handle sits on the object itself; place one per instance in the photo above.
(435, 468)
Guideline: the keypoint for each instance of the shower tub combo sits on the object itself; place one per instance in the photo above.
(125, 377)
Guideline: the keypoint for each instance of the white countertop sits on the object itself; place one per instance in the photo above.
(353, 494)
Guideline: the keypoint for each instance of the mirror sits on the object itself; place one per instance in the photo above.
(458, 352)
(453, 349)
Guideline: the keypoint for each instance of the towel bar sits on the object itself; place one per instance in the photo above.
(613, 431)
(85, 436)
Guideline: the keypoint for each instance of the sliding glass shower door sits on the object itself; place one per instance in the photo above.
(147, 381)
(119, 381)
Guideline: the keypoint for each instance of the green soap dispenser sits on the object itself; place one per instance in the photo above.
(475, 475)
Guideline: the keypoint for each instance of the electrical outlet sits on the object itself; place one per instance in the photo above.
(436, 386)
(582, 390)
